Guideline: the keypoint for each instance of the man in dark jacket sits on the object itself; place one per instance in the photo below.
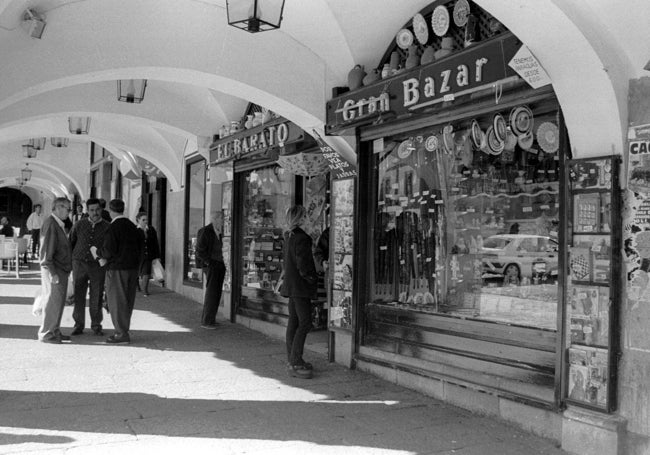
(209, 254)
(55, 257)
(121, 253)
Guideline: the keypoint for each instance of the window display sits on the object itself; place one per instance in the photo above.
(343, 205)
(194, 218)
(268, 193)
(466, 218)
(592, 290)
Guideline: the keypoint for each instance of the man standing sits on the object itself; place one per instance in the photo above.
(209, 253)
(56, 262)
(86, 233)
(34, 223)
(121, 251)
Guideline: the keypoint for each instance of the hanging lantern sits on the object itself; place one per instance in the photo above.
(131, 90)
(255, 15)
(37, 143)
(59, 141)
(29, 151)
(79, 125)
(26, 173)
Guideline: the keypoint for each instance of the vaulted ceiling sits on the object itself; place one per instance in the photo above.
(202, 73)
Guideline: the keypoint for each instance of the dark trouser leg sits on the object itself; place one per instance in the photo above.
(214, 276)
(120, 294)
(145, 283)
(96, 275)
(80, 273)
(298, 327)
(36, 242)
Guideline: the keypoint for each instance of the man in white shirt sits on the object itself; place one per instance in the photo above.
(34, 224)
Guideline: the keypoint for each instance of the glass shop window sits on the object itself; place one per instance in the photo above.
(466, 218)
(194, 218)
(268, 193)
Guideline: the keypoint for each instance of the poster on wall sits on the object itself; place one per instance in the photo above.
(638, 166)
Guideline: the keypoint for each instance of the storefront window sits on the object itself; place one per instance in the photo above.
(268, 193)
(194, 218)
(466, 218)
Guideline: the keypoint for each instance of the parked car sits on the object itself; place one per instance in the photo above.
(517, 256)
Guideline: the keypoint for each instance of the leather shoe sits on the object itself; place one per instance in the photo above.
(117, 340)
(98, 332)
(64, 337)
(299, 371)
(53, 340)
(77, 331)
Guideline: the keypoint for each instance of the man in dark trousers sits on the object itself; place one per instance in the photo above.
(120, 253)
(86, 233)
(209, 254)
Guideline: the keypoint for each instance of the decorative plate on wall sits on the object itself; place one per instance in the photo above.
(494, 145)
(477, 135)
(521, 120)
(440, 20)
(548, 137)
(431, 143)
(405, 149)
(420, 28)
(461, 11)
(499, 124)
(404, 38)
(448, 138)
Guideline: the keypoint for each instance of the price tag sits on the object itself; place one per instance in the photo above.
(596, 247)
(380, 203)
(425, 193)
(527, 209)
(416, 194)
(544, 206)
(383, 247)
(432, 210)
(592, 171)
(395, 186)
(449, 97)
(423, 202)
(471, 210)
(402, 262)
(587, 329)
(439, 201)
(427, 260)
(489, 211)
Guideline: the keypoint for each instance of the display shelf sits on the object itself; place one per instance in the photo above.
(593, 287)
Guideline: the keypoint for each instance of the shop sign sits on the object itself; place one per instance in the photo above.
(529, 68)
(254, 141)
(476, 68)
(639, 132)
(339, 166)
(638, 166)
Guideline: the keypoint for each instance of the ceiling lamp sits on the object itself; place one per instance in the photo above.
(37, 143)
(255, 15)
(19, 181)
(29, 151)
(131, 90)
(59, 141)
(35, 23)
(79, 125)
(26, 173)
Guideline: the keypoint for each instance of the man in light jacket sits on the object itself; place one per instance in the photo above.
(34, 224)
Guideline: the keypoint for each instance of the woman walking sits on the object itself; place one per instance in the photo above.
(151, 251)
(300, 284)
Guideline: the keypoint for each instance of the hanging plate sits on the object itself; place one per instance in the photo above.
(477, 134)
(495, 146)
(420, 28)
(521, 120)
(461, 11)
(499, 125)
(404, 38)
(431, 144)
(448, 139)
(440, 20)
(548, 137)
(525, 141)
(405, 149)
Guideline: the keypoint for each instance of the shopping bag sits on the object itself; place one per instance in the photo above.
(157, 270)
(70, 291)
(37, 306)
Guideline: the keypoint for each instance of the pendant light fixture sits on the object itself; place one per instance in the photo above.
(255, 15)
(26, 173)
(131, 90)
(79, 125)
(59, 141)
(29, 151)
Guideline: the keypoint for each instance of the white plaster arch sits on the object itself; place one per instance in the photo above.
(42, 185)
(13, 170)
(588, 76)
(67, 179)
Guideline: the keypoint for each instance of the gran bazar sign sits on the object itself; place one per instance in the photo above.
(476, 68)
(255, 141)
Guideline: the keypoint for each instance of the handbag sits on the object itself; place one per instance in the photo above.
(158, 272)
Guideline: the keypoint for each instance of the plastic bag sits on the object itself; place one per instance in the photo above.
(157, 270)
(37, 306)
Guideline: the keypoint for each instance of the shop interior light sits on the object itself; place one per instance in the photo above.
(37, 143)
(59, 141)
(26, 173)
(255, 15)
(29, 151)
(79, 125)
(131, 90)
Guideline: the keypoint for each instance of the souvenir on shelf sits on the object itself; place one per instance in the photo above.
(440, 20)
(461, 11)
(420, 29)
(404, 38)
